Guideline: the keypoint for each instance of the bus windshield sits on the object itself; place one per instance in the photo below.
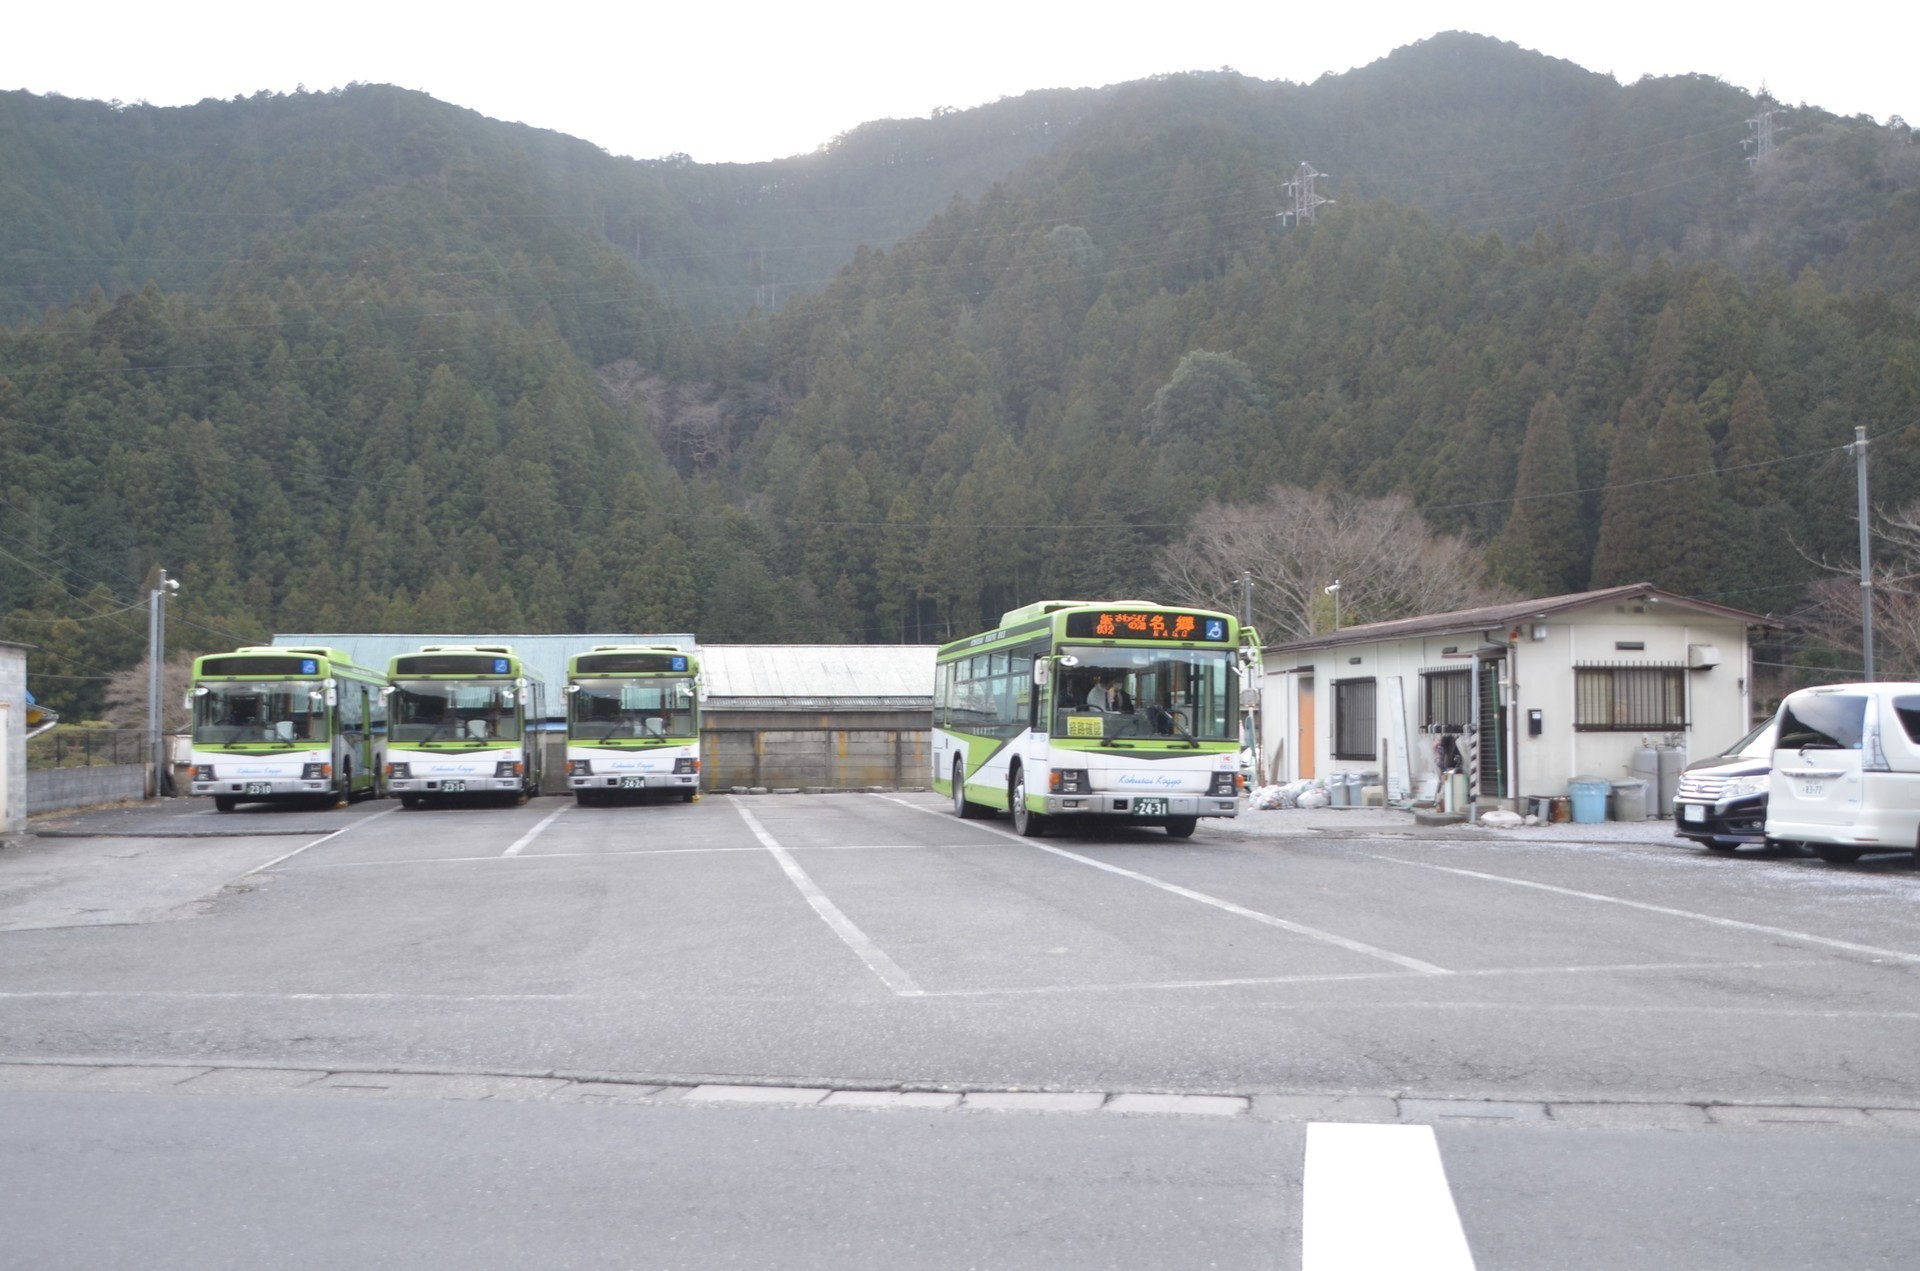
(231, 714)
(1166, 692)
(453, 710)
(600, 710)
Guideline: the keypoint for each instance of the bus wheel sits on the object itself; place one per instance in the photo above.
(1181, 827)
(1027, 824)
(688, 796)
(224, 803)
(961, 808)
(409, 800)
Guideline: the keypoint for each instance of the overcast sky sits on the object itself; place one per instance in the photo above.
(748, 81)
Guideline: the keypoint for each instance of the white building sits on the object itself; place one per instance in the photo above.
(1559, 687)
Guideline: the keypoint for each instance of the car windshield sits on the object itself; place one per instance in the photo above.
(1757, 744)
(599, 710)
(233, 714)
(1115, 692)
(453, 710)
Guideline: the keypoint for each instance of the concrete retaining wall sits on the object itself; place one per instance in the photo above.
(50, 789)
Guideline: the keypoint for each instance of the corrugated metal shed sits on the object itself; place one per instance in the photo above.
(547, 654)
(818, 677)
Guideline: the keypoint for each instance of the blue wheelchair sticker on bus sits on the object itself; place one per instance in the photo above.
(309, 666)
(1216, 629)
(679, 664)
(500, 666)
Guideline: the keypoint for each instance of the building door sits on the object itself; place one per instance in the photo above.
(1303, 744)
(1495, 780)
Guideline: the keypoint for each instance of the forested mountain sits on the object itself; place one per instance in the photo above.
(361, 359)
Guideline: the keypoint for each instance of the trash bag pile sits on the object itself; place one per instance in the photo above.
(1295, 794)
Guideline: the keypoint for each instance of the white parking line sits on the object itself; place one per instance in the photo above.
(1376, 1196)
(1733, 924)
(868, 952)
(1299, 929)
(520, 844)
(317, 842)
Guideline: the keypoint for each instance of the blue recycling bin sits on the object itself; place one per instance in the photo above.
(1589, 796)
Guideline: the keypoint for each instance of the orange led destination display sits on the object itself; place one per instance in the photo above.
(1146, 624)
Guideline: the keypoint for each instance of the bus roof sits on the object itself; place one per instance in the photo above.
(1142, 621)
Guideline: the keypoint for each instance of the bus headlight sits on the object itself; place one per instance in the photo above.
(579, 767)
(316, 771)
(1069, 781)
(1224, 784)
(203, 772)
(400, 770)
(507, 768)
(686, 765)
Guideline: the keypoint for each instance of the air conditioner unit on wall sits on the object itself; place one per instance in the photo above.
(1703, 657)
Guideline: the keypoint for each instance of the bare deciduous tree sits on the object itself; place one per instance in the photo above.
(1833, 612)
(1297, 542)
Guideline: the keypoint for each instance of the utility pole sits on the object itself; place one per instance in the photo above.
(1246, 597)
(158, 589)
(1300, 190)
(1762, 138)
(1859, 448)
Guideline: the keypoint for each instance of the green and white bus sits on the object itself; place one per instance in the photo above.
(465, 720)
(633, 721)
(286, 724)
(1073, 708)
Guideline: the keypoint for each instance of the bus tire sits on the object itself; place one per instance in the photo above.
(1181, 827)
(410, 801)
(225, 803)
(1026, 822)
(961, 808)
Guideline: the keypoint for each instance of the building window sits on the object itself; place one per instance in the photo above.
(1446, 700)
(1629, 698)
(1354, 719)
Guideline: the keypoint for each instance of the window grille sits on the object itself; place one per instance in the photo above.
(1354, 718)
(1633, 698)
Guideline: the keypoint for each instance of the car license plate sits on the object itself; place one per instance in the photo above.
(633, 783)
(1692, 812)
(259, 787)
(1813, 789)
(454, 787)
(1149, 807)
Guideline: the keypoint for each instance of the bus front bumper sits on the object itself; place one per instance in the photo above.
(637, 781)
(1143, 807)
(262, 788)
(451, 785)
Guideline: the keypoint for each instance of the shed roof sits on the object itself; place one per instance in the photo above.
(1490, 616)
(818, 676)
(546, 654)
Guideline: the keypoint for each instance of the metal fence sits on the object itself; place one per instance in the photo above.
(69, 747)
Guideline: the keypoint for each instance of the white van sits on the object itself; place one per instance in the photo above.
(1846, 770)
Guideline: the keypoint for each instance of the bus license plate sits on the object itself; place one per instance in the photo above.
(1149, 807)
(633, 783)
(259, 787)
(1693, 812)
(454, 787)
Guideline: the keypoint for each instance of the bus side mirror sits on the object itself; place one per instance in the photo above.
(1042, 669)
(573, 688)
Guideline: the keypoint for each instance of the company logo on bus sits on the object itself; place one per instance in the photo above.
(1145, 624)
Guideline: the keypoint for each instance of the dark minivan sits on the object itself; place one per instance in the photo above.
(1722, 800)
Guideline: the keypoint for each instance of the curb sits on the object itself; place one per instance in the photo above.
(73, 1076)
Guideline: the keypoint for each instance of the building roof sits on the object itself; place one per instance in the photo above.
(737, 676)
(546, 654)
(818, 676)
(1488, 617)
